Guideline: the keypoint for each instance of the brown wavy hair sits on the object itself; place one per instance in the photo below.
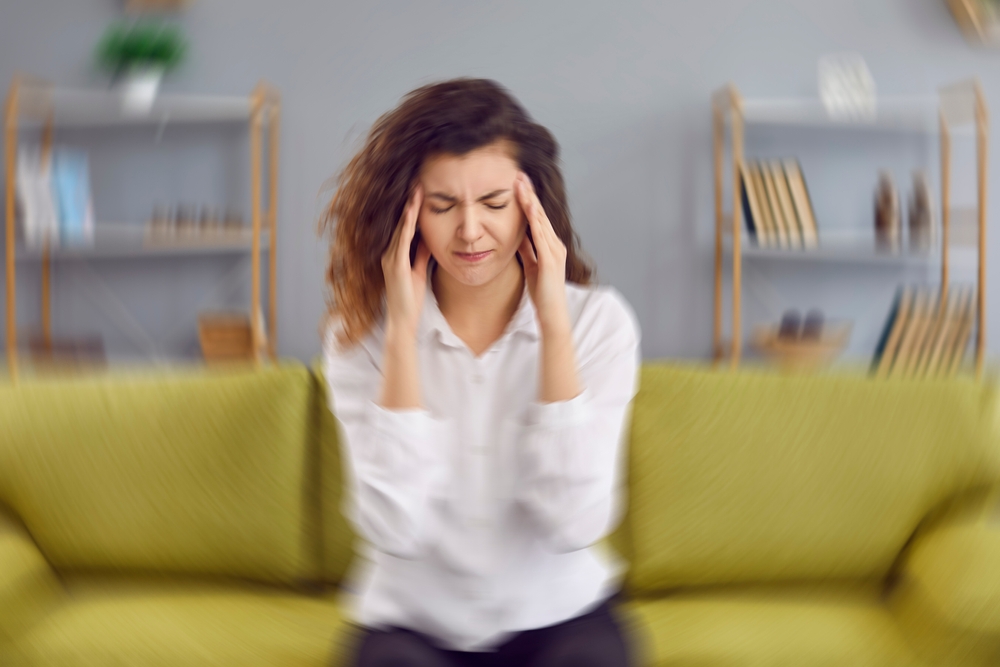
(452, 117)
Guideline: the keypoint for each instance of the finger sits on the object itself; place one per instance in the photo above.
(397, 233)
(422, 259)
(535, 215)
(527, 252)
(546, 224)
(523, 195)
(408, 228)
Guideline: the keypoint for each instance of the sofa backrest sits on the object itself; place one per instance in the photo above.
(754, 477)
(192, 472)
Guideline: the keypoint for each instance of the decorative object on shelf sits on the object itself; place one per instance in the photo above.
(183, 226)
(776, 205)
(801, 352)
(847, 88)
(791, 325)
(82, 353)
(225, 337)
(138, 55)
(921, 214)
(35, 199)
(53, 196)
(978, 19)
(71, 182)
(887, 224)
(925, 335)
(812, 326)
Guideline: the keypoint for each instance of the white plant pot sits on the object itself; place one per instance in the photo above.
(138, 88)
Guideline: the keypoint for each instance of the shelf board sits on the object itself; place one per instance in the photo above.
(904, 114)
(124, 241)
(853, 249)
(100, 108)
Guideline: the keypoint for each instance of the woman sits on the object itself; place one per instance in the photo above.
(482, 386)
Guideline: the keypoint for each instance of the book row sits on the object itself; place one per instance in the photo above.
(776, 205)
(926, 335)
(53, 197)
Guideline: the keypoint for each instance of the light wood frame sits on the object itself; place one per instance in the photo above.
(30, 97)
(727, 101)
(976, 26)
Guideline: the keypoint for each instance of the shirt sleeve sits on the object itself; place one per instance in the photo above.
(571, 451)
(393, 457)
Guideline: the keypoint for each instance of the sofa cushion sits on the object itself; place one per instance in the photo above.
(197, 472)
(28, 585)
(130, 621)
(833, 626)
(753, 476)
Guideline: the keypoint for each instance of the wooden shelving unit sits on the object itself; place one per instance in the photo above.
(36, 103)
(978, 23)
(958, 108)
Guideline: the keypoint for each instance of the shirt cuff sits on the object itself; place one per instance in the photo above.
(404, 439)
(558, 415)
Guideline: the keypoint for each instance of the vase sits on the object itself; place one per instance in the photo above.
(138, 87)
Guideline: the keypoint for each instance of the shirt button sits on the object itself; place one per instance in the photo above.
(478, 378)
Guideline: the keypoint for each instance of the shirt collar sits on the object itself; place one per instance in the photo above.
(432, 321)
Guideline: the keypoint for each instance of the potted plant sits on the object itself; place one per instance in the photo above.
(138, 56)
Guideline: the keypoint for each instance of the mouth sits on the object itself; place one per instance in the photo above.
(473, 256)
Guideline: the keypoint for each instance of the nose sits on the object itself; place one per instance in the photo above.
(470, 229)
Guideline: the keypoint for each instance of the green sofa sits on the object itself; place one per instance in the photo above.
(192, 518)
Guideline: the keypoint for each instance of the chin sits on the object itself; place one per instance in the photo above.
(473, 276)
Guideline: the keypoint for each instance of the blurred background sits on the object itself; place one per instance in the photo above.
(624, 86)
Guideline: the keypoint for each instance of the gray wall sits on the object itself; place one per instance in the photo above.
(624, 86)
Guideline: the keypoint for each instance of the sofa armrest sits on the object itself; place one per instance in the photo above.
(28, 584)
(948, 599)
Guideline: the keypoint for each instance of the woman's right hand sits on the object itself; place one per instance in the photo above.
(405, 285)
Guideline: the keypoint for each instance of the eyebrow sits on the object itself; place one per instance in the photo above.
(451, 199)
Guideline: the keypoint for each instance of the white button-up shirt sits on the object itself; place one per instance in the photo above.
(482, 509)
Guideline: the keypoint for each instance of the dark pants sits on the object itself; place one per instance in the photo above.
(592, 640)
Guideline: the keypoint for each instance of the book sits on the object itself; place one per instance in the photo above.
(935, 329)
(802, 203)
(751, 207)
(785, 203)
(767, 225)
(35, 198)
(71, 183)
(963, 333)
(909, 334)
(888, 342)
(922, 325)
(946, 334)
(772, 197)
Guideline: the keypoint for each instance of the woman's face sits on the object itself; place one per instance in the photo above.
(470, 219)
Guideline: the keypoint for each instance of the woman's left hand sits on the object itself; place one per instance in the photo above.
(544, 261)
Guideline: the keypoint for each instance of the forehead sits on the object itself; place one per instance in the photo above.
(489, 167)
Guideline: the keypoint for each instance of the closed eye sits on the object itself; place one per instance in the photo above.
(497, 207)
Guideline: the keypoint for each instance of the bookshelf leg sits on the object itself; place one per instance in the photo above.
(273, 119)
(717, 149)
(10, 153)
(737, 130)
(255, 174)
(982, 147)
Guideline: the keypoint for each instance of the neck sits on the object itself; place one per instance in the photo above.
(482, 311)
